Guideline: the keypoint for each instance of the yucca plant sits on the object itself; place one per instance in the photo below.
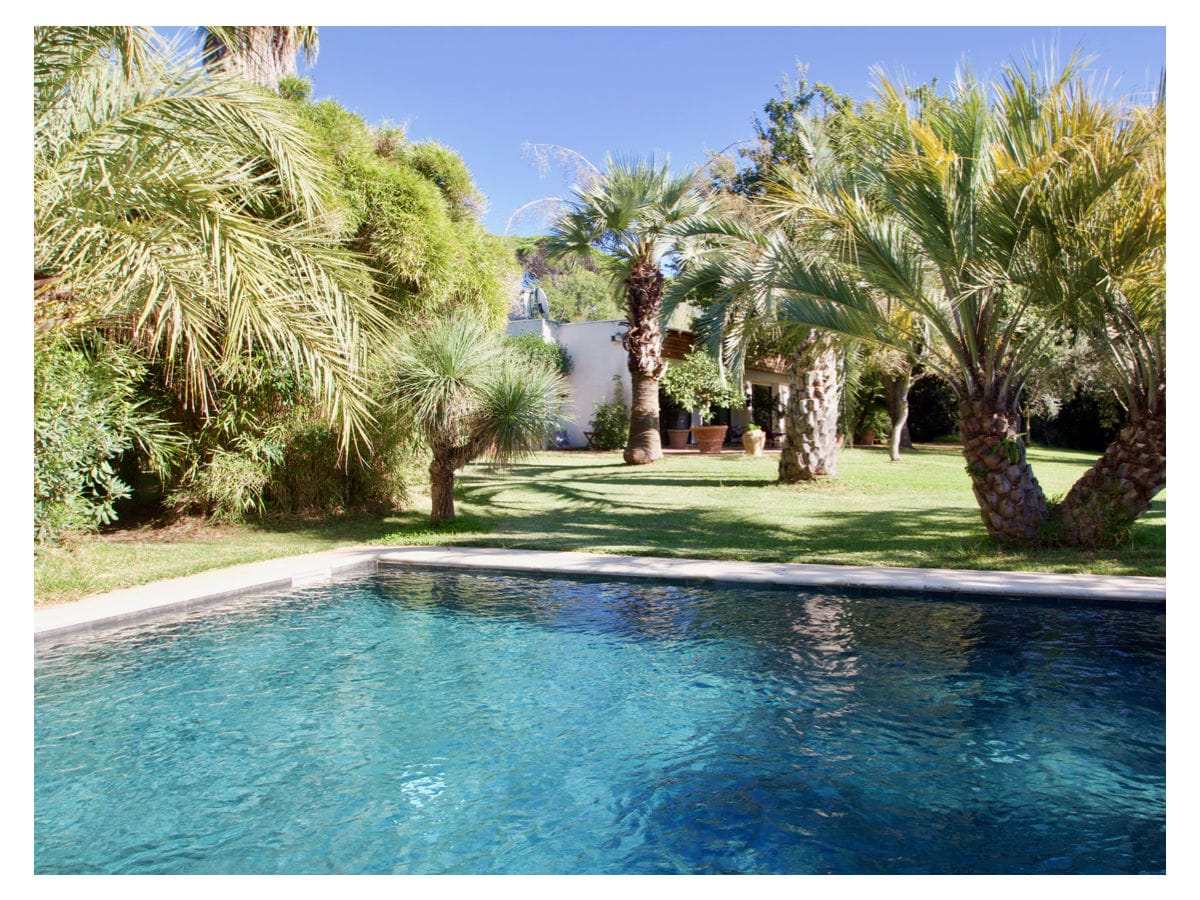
(469, 394)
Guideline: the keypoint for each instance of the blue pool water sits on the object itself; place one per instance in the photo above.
(444, 722)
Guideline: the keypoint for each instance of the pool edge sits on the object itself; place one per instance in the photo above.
(144, 602)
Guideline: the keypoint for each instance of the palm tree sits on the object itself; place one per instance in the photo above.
(627, 214)
(468, 395)
(1106, 275)
(941, 228)
(721, 271)
(940, 220)
(259, 53)
(174, 212)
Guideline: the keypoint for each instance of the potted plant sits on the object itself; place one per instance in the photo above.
(697, 383)
(754, 439)
(677, 437)
(873, 424)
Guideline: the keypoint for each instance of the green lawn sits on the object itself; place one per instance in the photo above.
(918, 512)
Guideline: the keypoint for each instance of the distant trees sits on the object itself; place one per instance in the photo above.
(577, 290)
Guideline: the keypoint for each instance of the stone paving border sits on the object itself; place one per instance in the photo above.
(179, 595)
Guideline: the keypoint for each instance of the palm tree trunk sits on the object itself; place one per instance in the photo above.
(810, 450)
(441, 490)
(1105, 502)
(1010, 499)
(896, 387)
(643, 343)
(645, 441)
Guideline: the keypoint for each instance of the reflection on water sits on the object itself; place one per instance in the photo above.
(455, 722)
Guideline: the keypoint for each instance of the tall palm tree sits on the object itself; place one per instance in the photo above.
(722, 273)
(174, 211)
(468, 396)
(627, 214)
(259, 53)
(723, 268)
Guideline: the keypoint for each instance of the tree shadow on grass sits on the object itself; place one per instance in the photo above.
(549, 514)
(669, 475)
(395, 527)
(569, 516)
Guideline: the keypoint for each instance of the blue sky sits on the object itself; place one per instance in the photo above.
(665, 91)
(670, 91)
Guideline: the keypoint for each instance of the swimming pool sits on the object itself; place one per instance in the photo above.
(430, 721)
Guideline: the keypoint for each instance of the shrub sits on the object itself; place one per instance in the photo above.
(875, 419)
(85, 415)
(538, 352)
(698, 383)
(610, 421)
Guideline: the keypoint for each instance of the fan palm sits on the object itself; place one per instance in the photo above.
(627, 214)
(940, 221)
(174, 211)
(467, 395)
(1106, 276)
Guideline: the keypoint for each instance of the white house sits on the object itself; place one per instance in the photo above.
(598, 356)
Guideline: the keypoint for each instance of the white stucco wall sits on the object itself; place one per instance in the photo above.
(518, 327)
(596, 358)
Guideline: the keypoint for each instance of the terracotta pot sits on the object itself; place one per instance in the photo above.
(867, 438)
(709, 438)
(677, 438)
(754, 441)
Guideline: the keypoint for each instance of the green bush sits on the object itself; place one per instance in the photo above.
(538, 352)
(610, 421)
(698, 383)
(875, 419)
(266, 448)
(86, 413)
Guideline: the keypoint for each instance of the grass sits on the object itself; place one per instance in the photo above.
(917, 512)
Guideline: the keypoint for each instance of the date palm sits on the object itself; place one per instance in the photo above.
(259, 53)
(175, 211)
(944, 226)
(469, 396)
(627, 213)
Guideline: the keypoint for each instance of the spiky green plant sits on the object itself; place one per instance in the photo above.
(469, 394)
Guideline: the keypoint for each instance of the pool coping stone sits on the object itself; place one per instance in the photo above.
(101, 612)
